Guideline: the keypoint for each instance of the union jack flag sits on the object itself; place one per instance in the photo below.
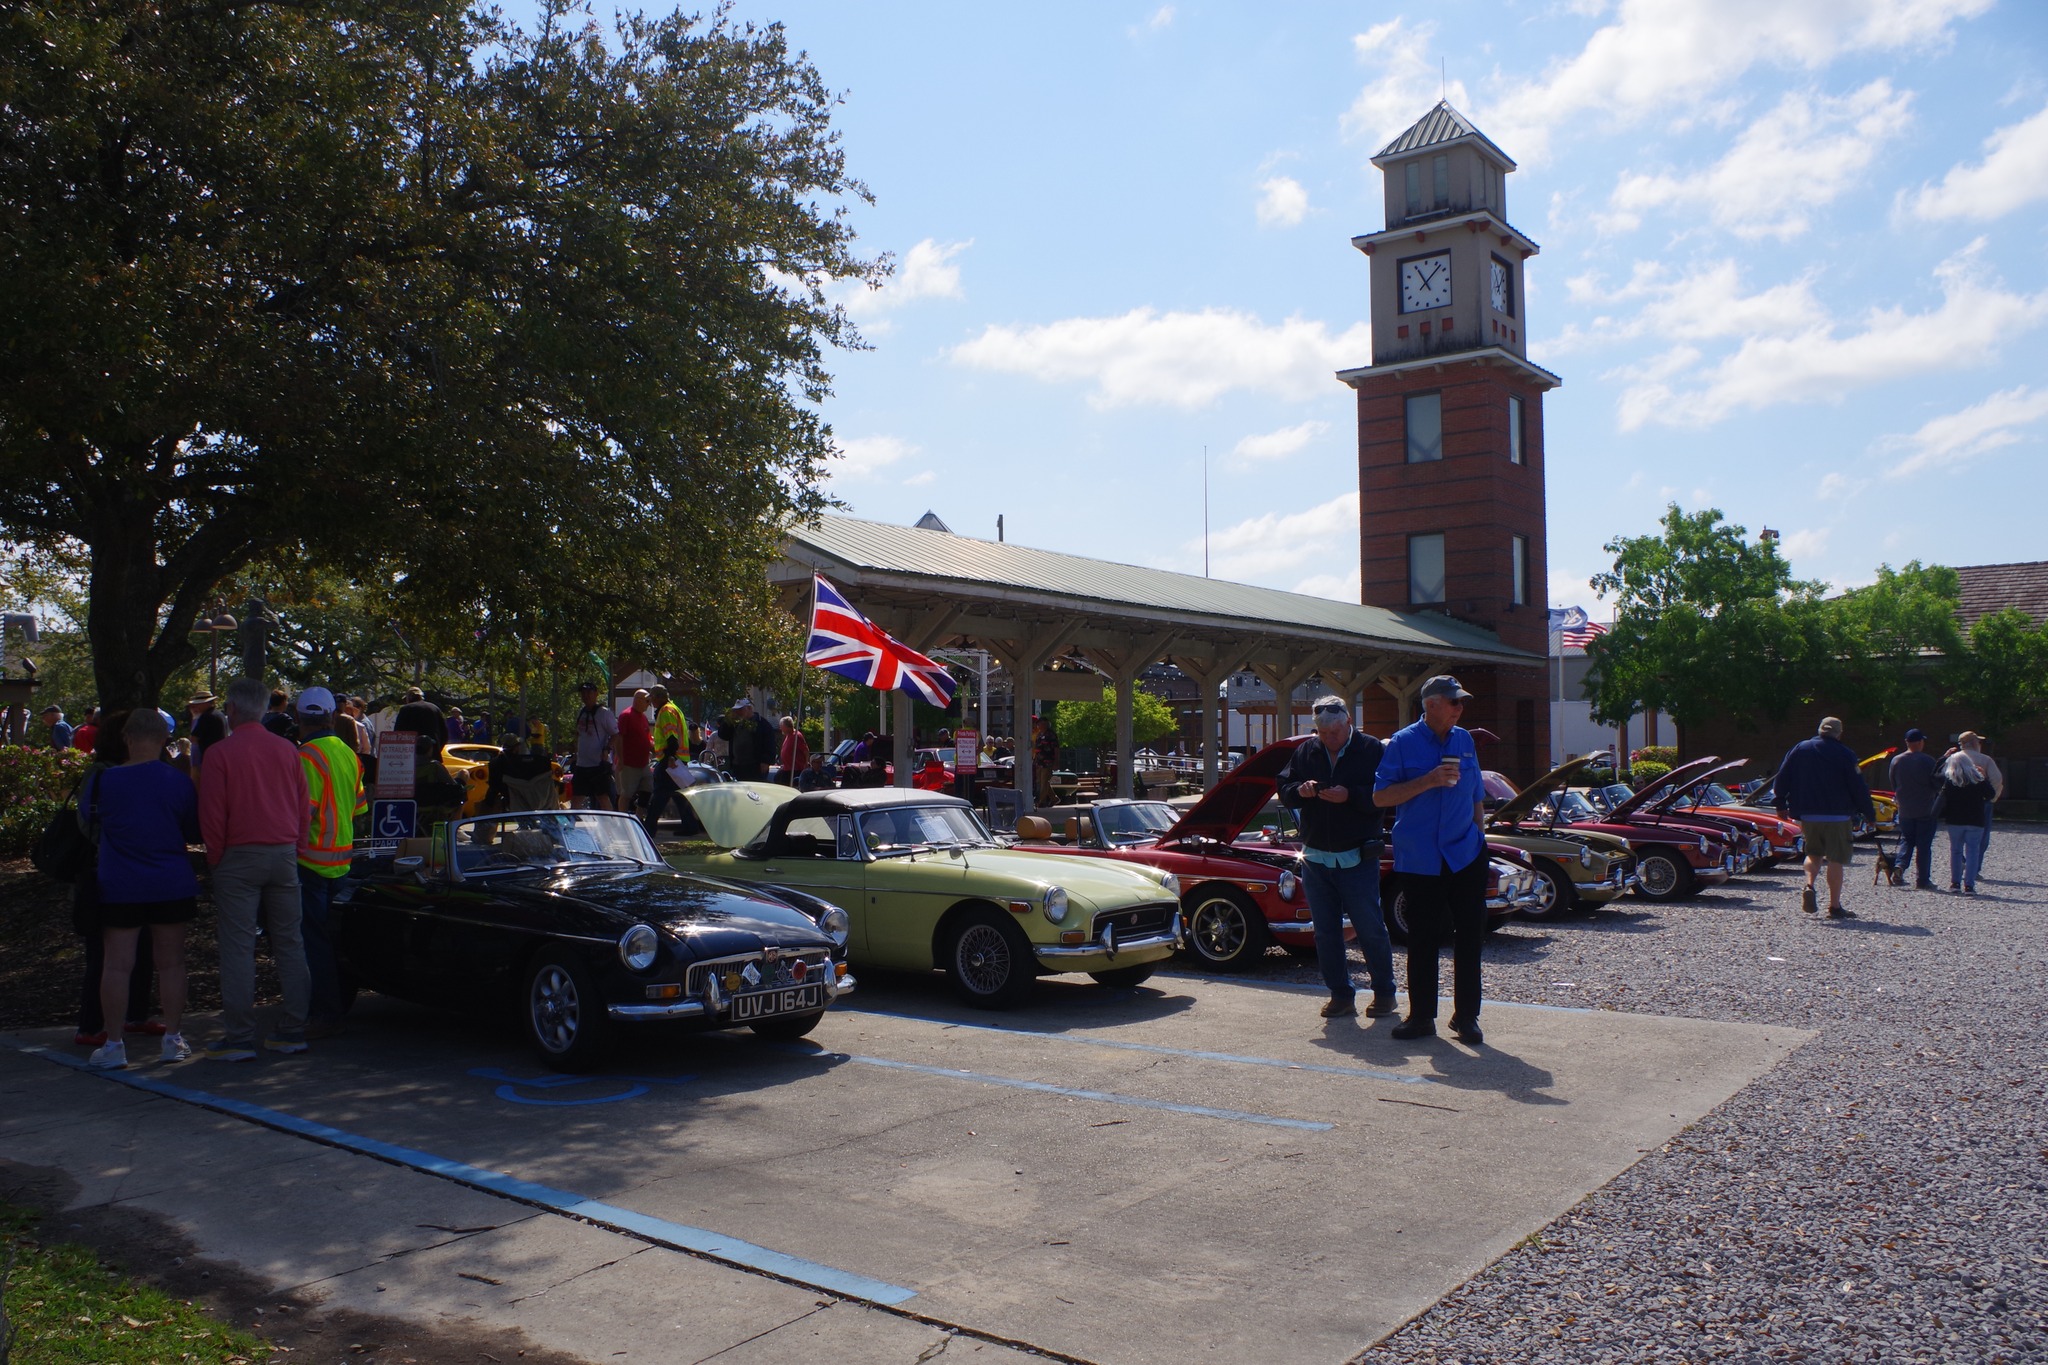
(847, 643)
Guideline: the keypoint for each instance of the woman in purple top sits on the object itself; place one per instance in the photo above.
(148, 812)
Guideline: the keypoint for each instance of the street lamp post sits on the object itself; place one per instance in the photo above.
(215, 626)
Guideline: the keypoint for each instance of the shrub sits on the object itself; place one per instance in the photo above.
(33, 783)
(1666, 754)
(1647, 772)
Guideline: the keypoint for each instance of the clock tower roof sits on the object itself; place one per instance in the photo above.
(1440, 127)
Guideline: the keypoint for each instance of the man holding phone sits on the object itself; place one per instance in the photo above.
(1329, 781)
(1430, 773)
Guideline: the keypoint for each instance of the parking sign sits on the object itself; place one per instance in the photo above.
(392, 820)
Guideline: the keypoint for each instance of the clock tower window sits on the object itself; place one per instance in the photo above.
(1425, 421)
(1426, 569)
(1440, 170)
(1514, 430)
(1520, 546)
(1414, 188)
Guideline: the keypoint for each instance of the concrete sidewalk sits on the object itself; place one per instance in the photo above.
(360, 1234)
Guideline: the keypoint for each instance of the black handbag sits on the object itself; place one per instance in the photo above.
(62, 850)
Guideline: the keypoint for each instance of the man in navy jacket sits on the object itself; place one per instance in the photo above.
(1819, 786)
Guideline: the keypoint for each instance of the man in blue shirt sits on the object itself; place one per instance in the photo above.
(60, 729)
(1430, 772)
(1329, 781)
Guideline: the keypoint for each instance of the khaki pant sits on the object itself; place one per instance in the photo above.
(259, 883)
(632, 781)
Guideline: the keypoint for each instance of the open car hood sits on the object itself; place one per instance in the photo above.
(735, 813)
(1680, 776)
(1524, 802)
(1226, 808)
(1671, 797)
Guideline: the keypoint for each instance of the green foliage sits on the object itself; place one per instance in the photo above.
(2003, 680)
(522, 329)
(1666, 754)
(1707, 623)
(1896, 643)
(65, 1307)
(33, 785)
(1647, 771)
(1092, 724)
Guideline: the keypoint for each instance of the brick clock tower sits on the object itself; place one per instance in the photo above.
(1450, 425)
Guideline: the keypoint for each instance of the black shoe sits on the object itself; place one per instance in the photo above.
(1837, 912)
(1808, 901)
(1340, 1007)
(1381, 1006)
(1467, 1031)
(1415, 1028)
(1923, 886)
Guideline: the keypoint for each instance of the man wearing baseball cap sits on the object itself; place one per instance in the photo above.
(597, 730)
(1916, 781)
(1818, 785)
(334, 788)
(1430, 772)
(751, 742)
(60, 729)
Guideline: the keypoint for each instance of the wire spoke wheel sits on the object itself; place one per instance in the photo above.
(1659, 876)
(982, 959)
(557, 1009)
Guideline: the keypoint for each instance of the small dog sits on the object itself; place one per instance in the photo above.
(1887, 869)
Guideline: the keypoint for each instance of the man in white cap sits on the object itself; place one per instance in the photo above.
(1820, 786)
(751, 740)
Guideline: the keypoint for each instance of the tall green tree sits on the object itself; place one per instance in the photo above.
(1897, 642)
(1707, 623)
(535, 314)
(2003, 679)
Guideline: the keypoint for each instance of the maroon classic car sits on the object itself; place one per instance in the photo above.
(1238, 896)
(1674, 857)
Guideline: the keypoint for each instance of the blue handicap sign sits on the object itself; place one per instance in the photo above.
(393, 819)
(512, 1086)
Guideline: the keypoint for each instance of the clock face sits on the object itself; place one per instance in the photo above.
(1500, 286)
(1426, 283)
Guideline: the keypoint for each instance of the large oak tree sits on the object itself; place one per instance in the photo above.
(529, 324)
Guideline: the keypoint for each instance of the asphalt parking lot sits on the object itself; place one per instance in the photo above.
(1195, 1169)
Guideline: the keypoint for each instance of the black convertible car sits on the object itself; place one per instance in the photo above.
(572, 918)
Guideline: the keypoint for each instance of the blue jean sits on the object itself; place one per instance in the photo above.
(316, 900)
(1916, 841)
(1338, 893)
(1965, 853)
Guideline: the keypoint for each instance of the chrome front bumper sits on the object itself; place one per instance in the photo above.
(713, 1003)
(1170, 938)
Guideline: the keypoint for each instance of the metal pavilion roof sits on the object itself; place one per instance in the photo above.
(1005, 579)
(1441, 124)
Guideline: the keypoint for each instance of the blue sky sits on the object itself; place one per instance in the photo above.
(1793, 266)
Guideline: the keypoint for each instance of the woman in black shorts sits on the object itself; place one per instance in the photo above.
(148, 813)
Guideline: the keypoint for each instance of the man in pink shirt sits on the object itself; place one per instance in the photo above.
(253, 810)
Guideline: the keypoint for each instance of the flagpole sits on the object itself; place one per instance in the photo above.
(802, 668)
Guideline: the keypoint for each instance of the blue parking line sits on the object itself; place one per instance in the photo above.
(681, 1237)
(1089, 1040)
(1107, 1097)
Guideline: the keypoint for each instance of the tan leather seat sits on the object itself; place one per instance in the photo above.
(1086, 834)
(1034, 829)
(1073, 828)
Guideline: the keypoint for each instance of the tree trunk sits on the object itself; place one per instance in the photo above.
(136, 645)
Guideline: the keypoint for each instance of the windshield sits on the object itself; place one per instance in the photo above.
(1136, 822)
(549, 839)
(1572, 806)
(912, 829)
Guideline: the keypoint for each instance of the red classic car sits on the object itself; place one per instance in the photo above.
(1705, 795)
(1239, 896)
(1652, 803)
(1673, 858)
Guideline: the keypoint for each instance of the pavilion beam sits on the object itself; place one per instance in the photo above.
(1209, 671)
(1283, 680)
(1403, 689)
(1352, 682)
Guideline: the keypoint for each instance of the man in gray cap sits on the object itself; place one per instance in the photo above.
(1819, 786)
(1430, 771)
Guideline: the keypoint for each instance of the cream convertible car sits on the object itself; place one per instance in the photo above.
(924, 886)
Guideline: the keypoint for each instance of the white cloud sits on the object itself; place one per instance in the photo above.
(863, 457)
(1805, 152)
(926, 271)
(1315, 550)
(1408, 80)
(1278, 445)
(1675, 54)
(1976, 317)
(1810, 543)
(919, 480)
(2014, 172)
(1161, 18)
(1704, 303)
(1282, 202)
(1839, 487)
(1183, 360)
(1957, 436)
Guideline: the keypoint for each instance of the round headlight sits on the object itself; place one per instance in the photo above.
(638, 946)
(1585, 857)
(1170, 882)
(1705, 847)
(1055, 903)
(835, 924)
(1289, 883)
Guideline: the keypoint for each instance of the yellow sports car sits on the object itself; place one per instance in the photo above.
(470, 765)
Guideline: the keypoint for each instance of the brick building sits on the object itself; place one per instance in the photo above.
(1450, 423)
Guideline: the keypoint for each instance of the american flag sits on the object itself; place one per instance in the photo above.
(1571, 628)
(847, 643)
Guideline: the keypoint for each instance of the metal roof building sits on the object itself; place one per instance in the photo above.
(1027, 607)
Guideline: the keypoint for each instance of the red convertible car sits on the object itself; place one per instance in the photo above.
(1239, 896)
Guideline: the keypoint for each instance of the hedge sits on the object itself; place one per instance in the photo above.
(33, 784)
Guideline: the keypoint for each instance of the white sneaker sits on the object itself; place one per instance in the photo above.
(110, 1056)
(176, 1049)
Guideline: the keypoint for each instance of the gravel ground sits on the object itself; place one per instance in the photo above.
(1881, 1196)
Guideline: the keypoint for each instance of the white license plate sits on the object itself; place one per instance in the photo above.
(788, 1000)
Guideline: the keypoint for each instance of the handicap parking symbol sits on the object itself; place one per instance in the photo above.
(512, 1087)
(393, 819)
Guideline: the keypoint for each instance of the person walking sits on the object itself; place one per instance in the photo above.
(1966, 794)
(795, 755)
(597, 730)
(87, 732)
(1430, 775)
(1972, 744)
(1330, 780)
(60, 728)
(252, 811)
(335, 795)
(93, 1028)
(1916, 782)
(147, 814)
(277, 716)
(669, 720)
(1819, 786)
(751, 742)
(635, 749)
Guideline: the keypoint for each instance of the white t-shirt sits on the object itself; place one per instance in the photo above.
(1987, 766)
(595, 729)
